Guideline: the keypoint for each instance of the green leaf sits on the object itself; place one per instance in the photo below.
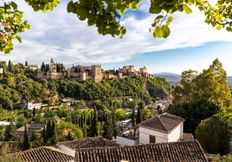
(70, 6)
(14, 5)
(187, 9)
(158, 33)
(18, 38)
(165, 31)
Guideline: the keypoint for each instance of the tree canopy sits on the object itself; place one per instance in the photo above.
(209, 85)
(106, 15)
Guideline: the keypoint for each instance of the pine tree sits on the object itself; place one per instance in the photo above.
(26, 144)
(107, 129)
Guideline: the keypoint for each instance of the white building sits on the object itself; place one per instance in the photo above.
(32, 105)
(4, 123)
(128, 138)
(161, 128)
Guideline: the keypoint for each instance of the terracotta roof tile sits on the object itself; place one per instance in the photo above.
(164, 122)
(89, 143)
(41, 154)
(189, 151)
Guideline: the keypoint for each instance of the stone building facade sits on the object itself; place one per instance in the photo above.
(56, 71)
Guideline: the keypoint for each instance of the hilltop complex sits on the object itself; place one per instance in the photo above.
(56, 71)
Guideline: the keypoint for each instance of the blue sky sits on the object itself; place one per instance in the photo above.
(59, 35)
(178, 60)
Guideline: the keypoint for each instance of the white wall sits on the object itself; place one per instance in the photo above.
(122, 141)
(31, 105)
(175, 135)
(144, 136)
(4, 123)
(67, 150)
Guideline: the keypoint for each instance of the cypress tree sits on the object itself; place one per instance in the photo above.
(10, 66)
(26, 144)
(139, 114)
(114, 125)
(43, 67)
(107, 129)
(55, 136)
(26, 63)
(93, 125)
(133, 117)
(34, 112)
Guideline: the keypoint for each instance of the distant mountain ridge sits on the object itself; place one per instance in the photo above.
(174, 78)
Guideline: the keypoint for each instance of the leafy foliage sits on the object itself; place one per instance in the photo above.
(194, 113)
(220, 158)
(66, 129)
(10, 133)
(209, 85)
(11, 25)
(43, 5)
(212, 133)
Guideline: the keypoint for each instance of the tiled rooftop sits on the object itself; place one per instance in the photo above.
(41, 154)
(189, 151)
(89, 142)
(164, 122)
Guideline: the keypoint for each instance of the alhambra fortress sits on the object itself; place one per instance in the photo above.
(57, 71)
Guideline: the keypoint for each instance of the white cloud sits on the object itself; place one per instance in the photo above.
(62, 36)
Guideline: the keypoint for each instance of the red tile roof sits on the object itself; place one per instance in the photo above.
(41, 154)
(164, 122)
(89, 142)
(189, 151)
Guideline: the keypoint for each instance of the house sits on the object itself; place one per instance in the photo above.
(161, 128)
(30, 105)
(30, 129)
(69, 101)
(188, 151)
(40, 154)
(70, 147)
(4, 123)
(158, 129)
(128, 138)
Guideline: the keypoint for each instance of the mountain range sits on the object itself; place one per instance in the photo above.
(174, 78)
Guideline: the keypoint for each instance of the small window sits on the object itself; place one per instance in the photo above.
(152, 139)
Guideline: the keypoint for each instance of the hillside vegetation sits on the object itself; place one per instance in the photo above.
(18, 84)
